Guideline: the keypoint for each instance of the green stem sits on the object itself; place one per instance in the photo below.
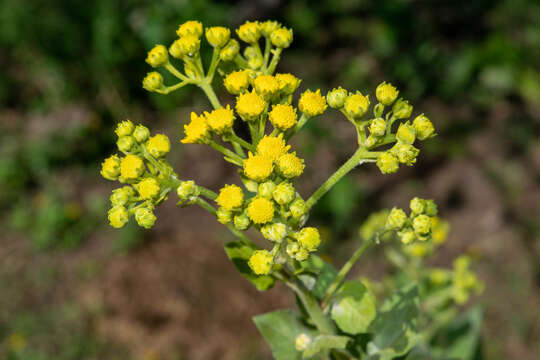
(170, 67)
(207, 193)
(275, 59)
(228, 153)
(267, 47)
(213, 65)
(301, 122)
(209, 91)
(360, 156)
(242, 142)
(342, 273)
(169, 89)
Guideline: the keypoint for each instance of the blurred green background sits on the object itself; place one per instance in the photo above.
(71, 288)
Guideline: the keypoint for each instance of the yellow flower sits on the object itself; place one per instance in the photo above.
(186, 45)
(283, 117)
(110, 168)
(260, 210)
(290, 165)
(191, 27)
(312, 103)
(237, 82)
(257, 167)
(288, 83)
(229, 52)
(269, 26)
(124, 128)
(218, 36)
(308, 238)
(197, 131)
(266, 85)
(158, 145)
(131, 167)
(272, 147)
(153, 81)
(230, 197)
(356, 105)
(148, 188)
(250, 106)
(386, 93)
(282, 38)
(157, 56)
(118, 216)
(249, 32)
(261, 262)
(220, 120)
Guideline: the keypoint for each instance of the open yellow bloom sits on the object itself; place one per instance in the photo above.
(290, 165)
(312, 103)
(230, 197)
(308, 238)
(250, 105)
(197, 131)
(272, 147)
(283, 117)
(261, 262)
(237, 82)
(131, 167)
(158, 145)
(148, 188)
(260, 210)
(220, 120)
(257, 167)
(266, 85)
(190, 27)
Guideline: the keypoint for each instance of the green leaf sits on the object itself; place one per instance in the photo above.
(319, 275)
(280, 329)
(354, 308)
(239, 253)
(395, 327)
(324, 343)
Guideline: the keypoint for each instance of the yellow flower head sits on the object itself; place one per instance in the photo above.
(290, 165)
(110, 168)
(266, 85)
(261, 262)
(186, 45)
(249, 32)
(308, 238)
(230, 197)
(124, 128)
(131, 167)
(218, 36)
(153, 81)
(312, 103)
(220, 120)
(250, 106)
(356, 105)
(158, 56)
(283, 117)
(282, 38)
(237, 82)
(386, 93)
(148, 188)
(260, 210)
(288, 83)
(118, 216)
(272, 147)
(197, 131)
(158, 145)
(257, 167)
(191, 27)
(269, 26)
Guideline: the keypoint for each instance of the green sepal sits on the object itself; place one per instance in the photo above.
(324, 343)
(353, 308)
(239, 253)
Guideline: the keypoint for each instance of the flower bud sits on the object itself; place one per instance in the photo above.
(292, 249)
(125, 143)
(356, 105)
(249, 32)
(224, 216)
(396, 219)
(148, 188)
(377, 127)
(124, 128)
(387, 163)
(158, 56)
(268, 27)
(430, 208)
(237, 82)
(188, 192)
(121, 196)
(110, 168)
(301, 255)
(131, 167)
(261, 262)
(402, 109)
(118, 216)
(241, 222)
(302, 342)
(422, 225)
(417, 205)
(218, 36)
(288, 83)
(153, 81)
(298, 208)
(284, 193)
(274, 232)
(405, 153)
(189, 45)
(423, 126)
(266, 188)
(266, 85)
(158, 145)
(229, 52)
(378, 110)
(250, 52)
(141, 133)
(386, 93)
(407, 236)
(190, 27)
(145, 217)
(371, 141)
(406, 134)
(309, 238)
(282, 38)
(336, 97)
(250, 106)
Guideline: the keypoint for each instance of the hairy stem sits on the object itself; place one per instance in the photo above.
(236, 159)
(209, 91)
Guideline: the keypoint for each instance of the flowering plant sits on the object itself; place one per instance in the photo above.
(337, 318)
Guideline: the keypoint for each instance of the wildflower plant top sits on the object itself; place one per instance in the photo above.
(334, 311)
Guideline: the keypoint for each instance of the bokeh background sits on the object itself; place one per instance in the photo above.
(72, 288)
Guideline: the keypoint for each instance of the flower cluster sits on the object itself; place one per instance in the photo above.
(418, 225)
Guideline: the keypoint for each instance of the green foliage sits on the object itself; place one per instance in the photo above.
(353, 308)
(239, 253)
